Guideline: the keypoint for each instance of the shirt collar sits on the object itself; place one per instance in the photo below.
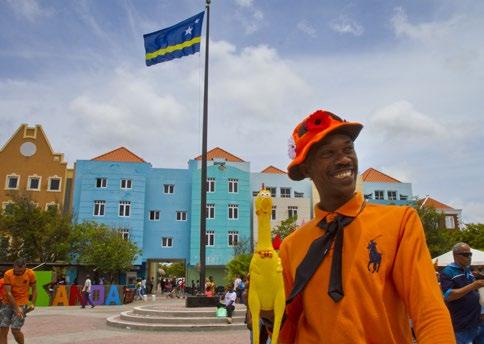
(461, 268)
(350, 208)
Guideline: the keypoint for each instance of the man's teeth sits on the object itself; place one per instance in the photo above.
(344, 174)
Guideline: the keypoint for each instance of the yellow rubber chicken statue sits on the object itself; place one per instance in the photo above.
(266, 283)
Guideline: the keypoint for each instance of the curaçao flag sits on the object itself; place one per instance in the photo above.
(175, 41)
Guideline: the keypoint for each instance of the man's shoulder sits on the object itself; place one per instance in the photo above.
(8, 275)
(451, 271)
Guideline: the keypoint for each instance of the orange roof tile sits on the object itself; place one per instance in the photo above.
(433, 203)
(219, 153)
(120, 154)
(272, 169)
(372, 175)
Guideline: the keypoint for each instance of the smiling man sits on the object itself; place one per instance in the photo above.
(461, 294)
(16, 304)
(357, 272)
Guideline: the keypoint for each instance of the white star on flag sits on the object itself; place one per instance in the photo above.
(188, 31)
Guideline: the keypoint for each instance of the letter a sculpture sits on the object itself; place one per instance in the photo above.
(266, 291)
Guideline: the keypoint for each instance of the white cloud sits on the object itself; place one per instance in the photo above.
(249, 16)
(244, 3)
(344, 24)
(402, 120)
(29, 9)
(425, 32)
(305, 27)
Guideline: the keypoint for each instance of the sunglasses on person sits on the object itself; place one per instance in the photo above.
(465, 254)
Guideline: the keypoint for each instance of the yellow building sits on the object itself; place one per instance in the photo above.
(29, 165)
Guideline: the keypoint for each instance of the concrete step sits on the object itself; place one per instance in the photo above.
(166, 319)
(183, 313)
(116, 321)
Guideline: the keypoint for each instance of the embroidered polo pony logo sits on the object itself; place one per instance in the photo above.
(375, 257)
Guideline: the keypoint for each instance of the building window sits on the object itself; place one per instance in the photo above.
(52, 206)
(209, 238)
(285, 192)
(168, 188)
(233, 238)
(12, 182)
(154, 215)
(54, 184)
(124, 233)
(7, 207)
(210, 211)
(99, 208)
(33, 183)
(124, 208)
(403, 197)
(273, 216)
(181, 215)
(392, 195)
(210, 184)
(379, 194)
(166, 242)
(449, 222)
(368, 196)
(101, 182)
(233, 185)
(233, 211)
(298, 194)
(125, 184)
(292, 211)
(272, 190)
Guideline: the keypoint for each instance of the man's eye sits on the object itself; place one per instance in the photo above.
(349, 150)
(326, 153)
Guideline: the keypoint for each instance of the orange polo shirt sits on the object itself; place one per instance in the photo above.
(20, 286)
(377, 304)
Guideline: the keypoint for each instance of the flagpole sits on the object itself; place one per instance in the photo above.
(203, 178)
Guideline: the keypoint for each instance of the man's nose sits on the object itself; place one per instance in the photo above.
(343, 159)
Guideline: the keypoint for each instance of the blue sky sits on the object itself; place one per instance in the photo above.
(411, 71)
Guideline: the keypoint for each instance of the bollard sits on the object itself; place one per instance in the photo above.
(153, 297)
(145, 298)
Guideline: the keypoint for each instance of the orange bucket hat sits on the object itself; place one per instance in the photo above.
(311, 130)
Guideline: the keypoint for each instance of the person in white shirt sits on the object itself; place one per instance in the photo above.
(229, 302)
(86, 290)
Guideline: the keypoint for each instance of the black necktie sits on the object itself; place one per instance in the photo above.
(316, 253)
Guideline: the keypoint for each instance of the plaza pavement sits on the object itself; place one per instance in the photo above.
(72, 324)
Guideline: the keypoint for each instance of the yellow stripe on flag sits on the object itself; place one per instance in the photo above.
(173, 48)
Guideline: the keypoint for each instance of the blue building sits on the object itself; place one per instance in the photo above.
(228, 213)
(380, 188)
(159, 208)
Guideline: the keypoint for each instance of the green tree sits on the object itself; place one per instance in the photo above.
(285, 228)
(33, 233)
(176, 269)
(102, 247)
(439, 239)
(472, 234)
(239, 265)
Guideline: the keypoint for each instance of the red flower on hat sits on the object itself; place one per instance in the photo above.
(318, 121)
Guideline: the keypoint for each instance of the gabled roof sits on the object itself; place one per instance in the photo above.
(120, 154)
(219, 153)
(372, 175)
(272, 169)
(430, 202)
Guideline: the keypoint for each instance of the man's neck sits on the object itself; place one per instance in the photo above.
(330, 204)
